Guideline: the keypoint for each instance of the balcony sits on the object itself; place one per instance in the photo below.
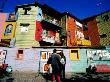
(49, 25)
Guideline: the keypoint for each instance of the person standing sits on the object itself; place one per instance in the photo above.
(54, 60)
(63, 62)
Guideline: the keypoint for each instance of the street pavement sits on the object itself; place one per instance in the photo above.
(70, 77)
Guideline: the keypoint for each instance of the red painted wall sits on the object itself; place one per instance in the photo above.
(93, 32)
(38, 31)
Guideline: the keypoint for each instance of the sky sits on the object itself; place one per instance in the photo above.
(79, 8)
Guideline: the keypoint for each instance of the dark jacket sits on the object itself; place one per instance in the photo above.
(54, 60)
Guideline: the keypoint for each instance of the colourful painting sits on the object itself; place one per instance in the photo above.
(43, 56)
(9, 30)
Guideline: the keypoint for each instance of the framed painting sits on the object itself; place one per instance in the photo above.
(43, 55)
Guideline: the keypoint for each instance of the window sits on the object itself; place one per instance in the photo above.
(103, 36)
(19, 54)
(11, 17)
(85, 28)
(105, 18)
(24, 27)
(74, 55)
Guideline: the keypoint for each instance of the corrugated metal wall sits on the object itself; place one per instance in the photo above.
(103, 23)
(93, 32)
(26, 39)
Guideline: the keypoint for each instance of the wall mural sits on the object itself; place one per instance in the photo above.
(48, 38)
(44, 56)
(100, 54)
(8, 30)
(99, 58)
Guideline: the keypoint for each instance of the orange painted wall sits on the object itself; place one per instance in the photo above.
(71, 26)
(2, 23)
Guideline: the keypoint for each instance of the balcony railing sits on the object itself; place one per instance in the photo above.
(51, 20)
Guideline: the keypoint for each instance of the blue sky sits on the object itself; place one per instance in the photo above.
(79, 8)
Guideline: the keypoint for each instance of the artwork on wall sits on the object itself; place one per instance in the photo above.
(2, 56)
(100, 54)
(8, 30)
(46, 68)
(48, 37)
(43, 55)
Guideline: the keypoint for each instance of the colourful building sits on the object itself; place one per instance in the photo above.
(72, 29)
(96, 29)
(36, 26)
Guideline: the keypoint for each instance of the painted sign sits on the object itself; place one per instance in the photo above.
(101, 54)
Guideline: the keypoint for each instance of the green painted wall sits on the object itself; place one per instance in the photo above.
(26, 39)
(103, 23)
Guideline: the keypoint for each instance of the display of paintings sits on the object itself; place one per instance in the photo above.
(43, 56)
(2, 56)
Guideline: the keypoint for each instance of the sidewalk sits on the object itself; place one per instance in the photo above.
(70, 77)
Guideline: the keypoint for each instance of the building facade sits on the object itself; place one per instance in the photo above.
(72, 28)
(96, 29)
